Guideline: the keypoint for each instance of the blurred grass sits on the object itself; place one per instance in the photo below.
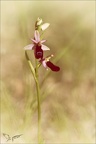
(68, 100)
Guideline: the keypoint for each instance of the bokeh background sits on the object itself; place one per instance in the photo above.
(67, 97)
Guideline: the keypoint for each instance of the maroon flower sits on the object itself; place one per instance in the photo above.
(38, 52)
(46, 63)
(37, 46)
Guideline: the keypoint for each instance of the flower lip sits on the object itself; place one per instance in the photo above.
(38, 52)
(52, 66)
(47, 63)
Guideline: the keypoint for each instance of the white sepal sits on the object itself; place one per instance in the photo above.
(29, 47)
(44, 48)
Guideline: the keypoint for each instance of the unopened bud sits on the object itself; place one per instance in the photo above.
(39, 21)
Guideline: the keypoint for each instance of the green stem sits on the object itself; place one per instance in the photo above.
(38, 100)
(35, 75)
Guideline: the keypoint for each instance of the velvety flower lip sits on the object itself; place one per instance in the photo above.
(47, 63)
(52, 66)
(38, 52)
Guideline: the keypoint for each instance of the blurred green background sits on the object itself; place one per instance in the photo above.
(68, 99)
